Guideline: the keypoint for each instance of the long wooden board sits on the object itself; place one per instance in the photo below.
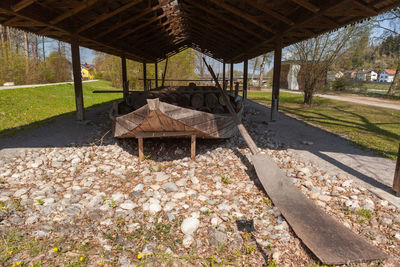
(328, 239)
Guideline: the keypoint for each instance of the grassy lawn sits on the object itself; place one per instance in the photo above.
(28, 107)
(370, 127)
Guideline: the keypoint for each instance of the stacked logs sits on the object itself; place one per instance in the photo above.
(202, 98)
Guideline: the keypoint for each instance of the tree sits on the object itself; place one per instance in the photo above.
(390, 23)
(266, 58)
(318, 54)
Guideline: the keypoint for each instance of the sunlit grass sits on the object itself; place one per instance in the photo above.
(370, 127)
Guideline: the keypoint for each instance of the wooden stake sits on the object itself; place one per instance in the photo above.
(245, 75)
(276, 79)
(396, 180)
(223, 76)
(164, 73)
(144, 77)
(156, 73)
(124, 79)
(140, 147)
(76, 69)
(193, 147)
(231, 78)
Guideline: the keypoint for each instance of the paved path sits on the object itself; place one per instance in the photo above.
(364, 100)
(37, 85)
(332, 153)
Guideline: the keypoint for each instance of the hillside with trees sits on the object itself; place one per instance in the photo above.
(24, 59)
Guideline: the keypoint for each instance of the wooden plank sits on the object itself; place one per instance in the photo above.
(306, 4)
(164, 73)
(396, 180)
(193, 147)
(163, 134)
(22, 4)
(74, 11)
(76, 69)
(276, 79)
(223, 76)
(329, 240)
(242, 14)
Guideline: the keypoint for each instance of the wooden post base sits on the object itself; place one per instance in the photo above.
(141, 136)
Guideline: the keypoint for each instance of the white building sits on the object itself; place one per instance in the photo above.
(387, 76)
(366, 75)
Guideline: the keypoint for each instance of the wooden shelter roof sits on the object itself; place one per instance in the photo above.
(151, 30)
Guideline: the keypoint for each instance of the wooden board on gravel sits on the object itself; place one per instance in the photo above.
(329, 240)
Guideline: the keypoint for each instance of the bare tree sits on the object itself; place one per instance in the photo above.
(255, 65)
(316, 55)
(266, 58)
(390, 24)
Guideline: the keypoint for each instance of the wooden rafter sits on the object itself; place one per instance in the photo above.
(107, 16)
(307, 5)
(22, 4)
(270, 12)
(242, 14)
(74, 11)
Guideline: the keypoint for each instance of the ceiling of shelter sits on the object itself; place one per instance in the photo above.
(151, 30)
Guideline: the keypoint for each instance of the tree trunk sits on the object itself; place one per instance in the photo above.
(396, 80)
(262, 67)
(254, 69)
(26, 52)
(44, 52)
(308, 96)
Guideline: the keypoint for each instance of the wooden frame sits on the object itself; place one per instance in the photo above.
(396, 180)
(142, 136)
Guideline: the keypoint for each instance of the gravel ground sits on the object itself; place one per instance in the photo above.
(97, 205)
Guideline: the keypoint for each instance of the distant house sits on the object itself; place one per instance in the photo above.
(366, 75)
(333, 75)
(88, 71)
(351, 74)
(387, 76)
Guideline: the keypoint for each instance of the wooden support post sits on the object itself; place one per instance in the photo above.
(223, 76)
(140, 147)
(396, 180)
(156, 73)
(164, 73)
(76, 69)
(231, 78)
(245, 75)
(144, 77)
(276, 78)
(125, 86)
(193, 147)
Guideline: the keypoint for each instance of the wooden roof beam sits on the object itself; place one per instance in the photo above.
(371, 11)
(107, 16)
(74, 11)
(307, 5)
(270, 12)
(230, 21)
(22, 4)
(242, 14)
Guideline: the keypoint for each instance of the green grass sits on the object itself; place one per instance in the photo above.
(29, 107)
(370, 127)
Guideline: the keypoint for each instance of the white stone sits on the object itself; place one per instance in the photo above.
(160, 176)
(138, 188)
(118, 197)
(128, 205)
(190, 225)
(154, 208)
(347, 183)
(169, 206)
(179, 195)
(21, 192)
(187, 241)
(194, 180)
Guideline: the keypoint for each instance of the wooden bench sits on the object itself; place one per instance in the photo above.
(141, 136)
